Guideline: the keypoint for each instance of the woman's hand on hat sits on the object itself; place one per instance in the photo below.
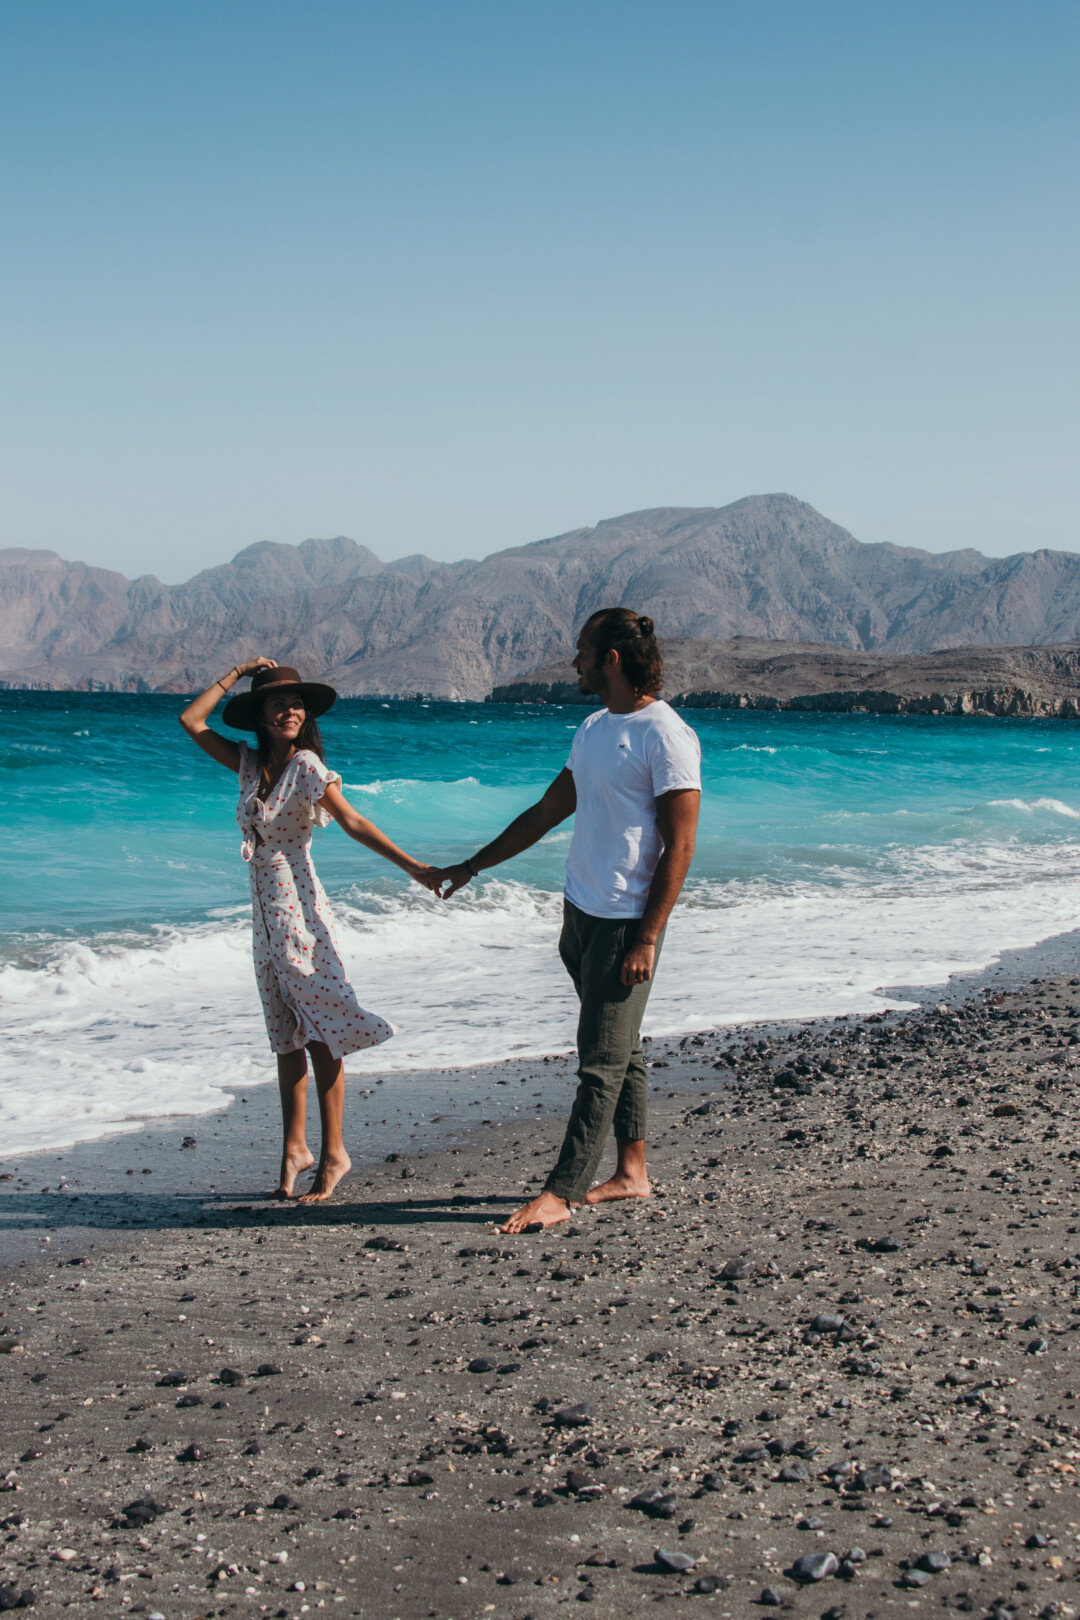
(253, 664)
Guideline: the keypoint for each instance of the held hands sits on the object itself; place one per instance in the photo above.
(638, 964)
(456, 877)
(428, 877)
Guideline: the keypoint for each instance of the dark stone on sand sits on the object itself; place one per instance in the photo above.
(508, 1367)
(915, 1577)
(769, 1598)
(382, 1242)
(1037, 1346)
(811, 1522)
(253, 1449)
(543, 1499)
(656, 1503)
(189, 1400)
(418, 1477)
(144, 1510)
(658, 1355)
(934, 1562)
(229, 1375)
(173, 1380)
(678, 1561)
(1031, 1322)
(712, 1482)
(873, 1478)
(267, 1369)
(1036, 1541)
(827, 1323)
(814, 1566)
(30, 1456)
(574, 1417)
(481, 1364)
(192, 1453)
(706, 1584)
(736, 1270)
(576, 1480)
(347, 1513)
(793, 1474)
(752, 1454)
(282, 1503)
(11, 1598)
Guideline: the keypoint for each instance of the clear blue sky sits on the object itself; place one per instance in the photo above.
(452, 276)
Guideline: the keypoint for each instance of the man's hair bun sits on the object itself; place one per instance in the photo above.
(633, 636)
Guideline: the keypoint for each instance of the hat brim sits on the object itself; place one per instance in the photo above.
(241, 712)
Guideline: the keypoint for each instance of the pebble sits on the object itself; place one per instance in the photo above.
(481, 1364)
(574, 1417)
(934, 1562)
(769, 1597)
(815, 1566)
(915, 1577)
(678, 1561)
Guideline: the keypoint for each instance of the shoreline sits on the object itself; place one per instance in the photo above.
(843, 1324)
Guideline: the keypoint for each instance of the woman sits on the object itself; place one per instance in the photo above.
(308, 1002)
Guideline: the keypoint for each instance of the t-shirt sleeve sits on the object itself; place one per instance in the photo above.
(674, 756)
(312, 780)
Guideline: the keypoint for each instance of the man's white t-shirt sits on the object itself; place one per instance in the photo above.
(621, 764)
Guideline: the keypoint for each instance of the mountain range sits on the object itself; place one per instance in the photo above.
(768, 567)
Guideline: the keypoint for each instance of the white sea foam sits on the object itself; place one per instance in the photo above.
(101, 1036)
(1055, 806)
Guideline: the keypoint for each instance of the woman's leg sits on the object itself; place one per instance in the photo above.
(334, 1162)
(296, 1156)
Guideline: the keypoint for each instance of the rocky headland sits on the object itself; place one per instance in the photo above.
(830, 1367)
(748, 673)
(768, 567)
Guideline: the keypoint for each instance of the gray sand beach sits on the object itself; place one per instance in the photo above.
(830, 1366)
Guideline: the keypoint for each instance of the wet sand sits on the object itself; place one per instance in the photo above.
(844, 1324)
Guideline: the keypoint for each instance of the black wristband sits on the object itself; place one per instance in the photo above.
(470, 868)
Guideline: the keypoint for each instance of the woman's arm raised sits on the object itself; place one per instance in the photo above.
(365, 832)
(194, 717)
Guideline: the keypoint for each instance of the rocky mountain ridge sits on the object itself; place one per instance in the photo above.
(769, 566)
(748, 673)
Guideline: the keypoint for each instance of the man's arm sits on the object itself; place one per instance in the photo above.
(676, 818)
(558, 802)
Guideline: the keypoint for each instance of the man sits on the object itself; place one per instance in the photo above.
(634, 779)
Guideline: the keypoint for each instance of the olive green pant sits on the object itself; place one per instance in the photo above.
(612, 1086)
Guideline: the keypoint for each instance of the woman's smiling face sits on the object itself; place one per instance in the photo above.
(283, 715)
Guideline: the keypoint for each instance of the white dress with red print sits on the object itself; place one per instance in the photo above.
(305, 991)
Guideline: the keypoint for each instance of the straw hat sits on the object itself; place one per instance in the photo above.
(242, 711)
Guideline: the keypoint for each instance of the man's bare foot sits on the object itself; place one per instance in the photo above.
(547, 1210)
(619, 1187)
(327, 1176)
(291, 1167)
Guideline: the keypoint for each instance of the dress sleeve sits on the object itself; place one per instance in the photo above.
(312, 780)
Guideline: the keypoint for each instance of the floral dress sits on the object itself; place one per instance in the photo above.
(305, 991)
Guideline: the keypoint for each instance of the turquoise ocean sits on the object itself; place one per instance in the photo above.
(838, 854)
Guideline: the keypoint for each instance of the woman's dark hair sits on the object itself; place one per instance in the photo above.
(308, 736)
(633, 636)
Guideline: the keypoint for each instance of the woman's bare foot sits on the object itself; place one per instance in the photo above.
(327, 1176)
(292, 1165)
(620, 1186)
(547, 1210)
